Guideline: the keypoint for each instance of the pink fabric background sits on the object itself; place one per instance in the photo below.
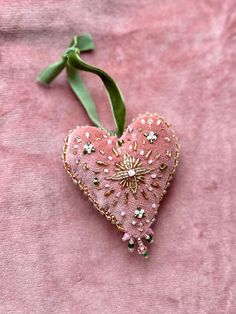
(57, 255)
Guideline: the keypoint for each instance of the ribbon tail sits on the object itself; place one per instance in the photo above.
(82, 93)
(51, 72)
(84, 42)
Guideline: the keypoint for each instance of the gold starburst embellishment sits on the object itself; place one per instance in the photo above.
(130, 172)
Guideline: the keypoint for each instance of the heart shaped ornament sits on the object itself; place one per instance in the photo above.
(125, 178)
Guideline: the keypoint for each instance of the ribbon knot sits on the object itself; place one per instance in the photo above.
(69, 50)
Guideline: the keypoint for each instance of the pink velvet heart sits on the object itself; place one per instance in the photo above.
(125, 178)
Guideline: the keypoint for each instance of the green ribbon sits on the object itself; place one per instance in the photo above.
(74, 64)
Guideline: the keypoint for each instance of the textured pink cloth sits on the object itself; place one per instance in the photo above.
(57, 255)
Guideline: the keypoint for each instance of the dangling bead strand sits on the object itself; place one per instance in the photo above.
(149, 238)
(131, 245)
(142, 249)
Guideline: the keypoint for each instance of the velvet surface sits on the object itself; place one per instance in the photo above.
(57, 255)
(143, 156)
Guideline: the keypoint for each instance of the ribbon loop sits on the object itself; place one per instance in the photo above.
(73, 63)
